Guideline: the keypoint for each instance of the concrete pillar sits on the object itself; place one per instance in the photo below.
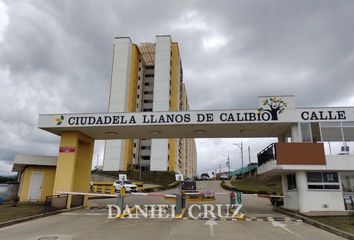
(284, 184)
(295, 133)
(74, 164)
(301, 183)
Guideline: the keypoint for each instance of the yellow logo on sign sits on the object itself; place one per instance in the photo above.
(59, 120)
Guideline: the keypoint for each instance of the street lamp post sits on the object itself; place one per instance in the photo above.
(240, 145)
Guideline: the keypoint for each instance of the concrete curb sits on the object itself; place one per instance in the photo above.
(316, 223)
(33, 217)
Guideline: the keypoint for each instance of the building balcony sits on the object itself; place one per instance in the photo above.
(288, 157)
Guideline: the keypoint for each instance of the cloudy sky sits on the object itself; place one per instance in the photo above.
(55, 56)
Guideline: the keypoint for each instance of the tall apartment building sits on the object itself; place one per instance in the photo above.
(149, 77)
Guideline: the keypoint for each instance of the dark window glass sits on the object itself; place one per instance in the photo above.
(145, 157)
(291, 181)
(331, 186)
(147, 101)
(149, 75)
(315, 186)
(148, 92)
(149, 67)
(147, 84)
(330, 177)
(327, 180)
(314, 177)
(145, 147)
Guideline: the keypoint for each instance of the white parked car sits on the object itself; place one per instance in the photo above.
(129, 187)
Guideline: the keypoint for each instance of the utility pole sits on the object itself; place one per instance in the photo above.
(242, 158)
(240, 145)
(228, 163)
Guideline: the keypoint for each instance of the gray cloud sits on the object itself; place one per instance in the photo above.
(56, 57)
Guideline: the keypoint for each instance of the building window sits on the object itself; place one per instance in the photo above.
(139, 68)
(138, 86)
(148, 92)
(147, 110)
(149, 67)
(147, 101)
(291, 179)
(145, 157)
(145, 147)
(149, 75)
(322, 180)
(147, 84)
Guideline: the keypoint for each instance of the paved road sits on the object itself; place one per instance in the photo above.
(252, 204)
(94, 224)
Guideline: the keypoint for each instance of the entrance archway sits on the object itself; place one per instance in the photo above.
(300, 157)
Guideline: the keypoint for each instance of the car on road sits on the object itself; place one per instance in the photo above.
(129, 187)
(224, 177)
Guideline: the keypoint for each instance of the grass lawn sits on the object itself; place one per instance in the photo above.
(345, 223)
(7, 212)
(258, 185)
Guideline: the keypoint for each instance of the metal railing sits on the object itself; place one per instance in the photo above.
(266, 154)
(244, 170)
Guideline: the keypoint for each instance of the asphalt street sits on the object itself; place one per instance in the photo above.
(87, 224)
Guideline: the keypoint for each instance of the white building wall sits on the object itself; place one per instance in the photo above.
(159, 147)
(301, 183)
(323, 201)
(118, 101)
(317, 200)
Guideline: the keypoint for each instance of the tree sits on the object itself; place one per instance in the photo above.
(274, 106)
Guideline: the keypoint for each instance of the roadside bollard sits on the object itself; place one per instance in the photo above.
(233, 200)
(120, 199)
(183, 200)
(239, 197)
(179, 204)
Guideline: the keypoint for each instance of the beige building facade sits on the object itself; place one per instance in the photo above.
(149, 78)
